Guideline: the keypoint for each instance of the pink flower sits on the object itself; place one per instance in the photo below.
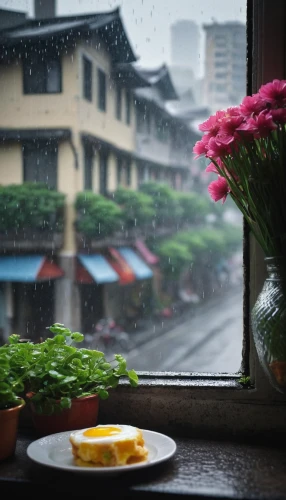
(232, 111)
(201, 147)
(279, 115)
(260, 125)
(252, 105)
(219, 189)
(211, 168)
(217, 149)
(212, 124)
(274, 92)
(228, 128)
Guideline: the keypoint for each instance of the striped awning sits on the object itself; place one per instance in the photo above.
(139, 267)
(95, 267)
(28, 268)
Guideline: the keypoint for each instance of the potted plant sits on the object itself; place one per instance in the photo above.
(64, 383)
(11, 387)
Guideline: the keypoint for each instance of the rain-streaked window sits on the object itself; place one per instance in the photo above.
(119, 178)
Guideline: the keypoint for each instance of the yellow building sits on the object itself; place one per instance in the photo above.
(66, 119)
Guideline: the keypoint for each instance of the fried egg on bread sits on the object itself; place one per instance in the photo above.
(108, 445)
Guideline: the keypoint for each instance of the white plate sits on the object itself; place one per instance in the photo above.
(55, 451)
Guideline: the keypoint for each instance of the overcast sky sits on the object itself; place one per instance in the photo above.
(147, 22)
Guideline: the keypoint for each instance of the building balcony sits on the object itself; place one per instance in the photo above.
(30, 240)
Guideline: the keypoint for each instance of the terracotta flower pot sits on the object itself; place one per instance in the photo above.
(82, 413)
(9, 420)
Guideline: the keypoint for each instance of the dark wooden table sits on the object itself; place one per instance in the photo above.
(199, 469)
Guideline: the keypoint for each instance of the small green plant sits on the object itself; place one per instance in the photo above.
(56, 371)
(11, 382)
(245, 380)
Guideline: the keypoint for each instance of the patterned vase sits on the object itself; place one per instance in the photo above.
(268, 319)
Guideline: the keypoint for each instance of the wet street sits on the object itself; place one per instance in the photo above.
(208, 340)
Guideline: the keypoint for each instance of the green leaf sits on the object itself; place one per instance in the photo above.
(133, 378)
(77, 337)
(55, 374)
(103, 394)
(14, 339)
(65, 403)
(68, 380)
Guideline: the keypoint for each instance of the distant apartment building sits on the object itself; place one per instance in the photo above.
(163, 146)
(225, 64)
(185, 67)
(185, 45)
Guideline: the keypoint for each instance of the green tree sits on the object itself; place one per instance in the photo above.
(137, 208)
(97, 216)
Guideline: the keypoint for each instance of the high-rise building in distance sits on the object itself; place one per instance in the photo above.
(225, 64)
(185, 41)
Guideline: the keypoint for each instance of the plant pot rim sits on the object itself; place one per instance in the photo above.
(30, 394)
(14, 408)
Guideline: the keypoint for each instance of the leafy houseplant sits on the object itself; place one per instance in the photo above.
(246, 147)
(59, 375)
(11, 387)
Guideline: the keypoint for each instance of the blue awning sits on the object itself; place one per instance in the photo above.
(98, 267)
(27, 268)
(140, 269)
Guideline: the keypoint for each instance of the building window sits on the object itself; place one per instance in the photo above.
(118, 102)
(128, 107)
(87, 79)
(220, 64)
(42, 74)
(101, 99)
(162, 129)
(40, 162)
(119, 171)
(220, 54)
(128, 174)
(88, 164)
(103, 166)
(143, 119)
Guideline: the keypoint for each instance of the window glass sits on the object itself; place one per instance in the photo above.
(171, 65)
(119, 171)
(88, 162)
(101, 90)
(103, 166)
(42, 73)
(40, 162)
(118, 103)
(128, 107)
(87, 79)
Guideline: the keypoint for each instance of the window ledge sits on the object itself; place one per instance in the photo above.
(199, 469)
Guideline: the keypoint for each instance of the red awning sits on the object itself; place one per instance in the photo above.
(119, 264)
(49, 270)
(82, 276)
(147, 255)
